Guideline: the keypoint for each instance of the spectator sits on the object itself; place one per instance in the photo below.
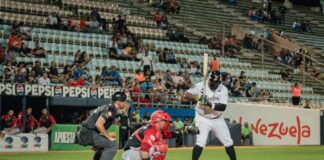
(246, 134)
(77, 57)
(121, 24)
(52, 21)
(20, 77)
(254, 91)
(94, 25)
(282, 10)
(95, 13)
(2, 55)
(214, 64)
(158, 85)
(232, 3)
(9, 71)
(146, 117)
(44, 80)
(25, 51)
(236, 89)
(30, 121)
(38, 51)
(170, 58)
(314, 73)
(147, 62)
(53, 74)
(79, 82)
(45, 123)
(135, 124)
(227, 79)
(308, 104)
(178, 80)
(112, 77)
(147, 86)
(296, 26)
(10, 123)
(165, 23)
(128, 83)
(158, 19)
(38, 69)
(14, 42)
(296, 90)
(187, 79)
(187, 122)
(10, 57)
(139, 76)
(83, 26)
(194, 69)
(243, 79)
(31, 78)
(137, 114)
(174, 7)
(285, 75)
(178, 126)
(168, 80)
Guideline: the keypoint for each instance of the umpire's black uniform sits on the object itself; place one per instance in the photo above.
(89, 134)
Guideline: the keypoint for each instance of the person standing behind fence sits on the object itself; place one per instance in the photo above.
(10, 123)
(45, 123)
(30, 121)
(296, 90)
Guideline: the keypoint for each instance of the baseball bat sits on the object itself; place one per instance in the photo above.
(205, 72)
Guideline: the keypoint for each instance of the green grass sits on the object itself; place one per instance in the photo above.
(243, 153)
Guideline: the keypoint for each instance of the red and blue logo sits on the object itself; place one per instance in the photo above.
(58, 91)
(20, 89)
(93, 92)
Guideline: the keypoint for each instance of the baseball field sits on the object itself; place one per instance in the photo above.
(210, 153)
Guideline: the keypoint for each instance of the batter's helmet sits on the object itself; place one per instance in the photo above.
(160, 115)
(215, 79)
(119, 96)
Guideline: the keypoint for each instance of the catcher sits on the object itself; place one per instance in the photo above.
(147, 142)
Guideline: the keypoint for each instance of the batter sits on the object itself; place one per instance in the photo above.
(209, 109)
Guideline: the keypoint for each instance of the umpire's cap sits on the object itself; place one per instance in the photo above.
(119, 96)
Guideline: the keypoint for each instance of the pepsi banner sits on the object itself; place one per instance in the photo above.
(55, 90)
(24, 143)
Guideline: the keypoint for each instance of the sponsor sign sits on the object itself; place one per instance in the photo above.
(52, 91)
(24, 143)
(274, 125)
(63, 136)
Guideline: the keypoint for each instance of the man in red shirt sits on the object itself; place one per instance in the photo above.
(146, 142)
(45, 123)
(29, 121)
(10, 123)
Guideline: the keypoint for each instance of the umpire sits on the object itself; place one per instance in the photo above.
(93, 130)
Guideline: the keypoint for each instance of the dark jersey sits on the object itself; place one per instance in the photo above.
(101, 111)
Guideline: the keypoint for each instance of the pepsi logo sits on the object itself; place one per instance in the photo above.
(93, 93)
(58, 91)
(20, 89)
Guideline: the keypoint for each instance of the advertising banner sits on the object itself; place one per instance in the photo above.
(24, 143)
(62, 137)
(55, 91)
(274, 125)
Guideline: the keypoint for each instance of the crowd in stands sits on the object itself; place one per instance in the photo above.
(232, 45)
(267, 14)
(14, 124)
(167, 6)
